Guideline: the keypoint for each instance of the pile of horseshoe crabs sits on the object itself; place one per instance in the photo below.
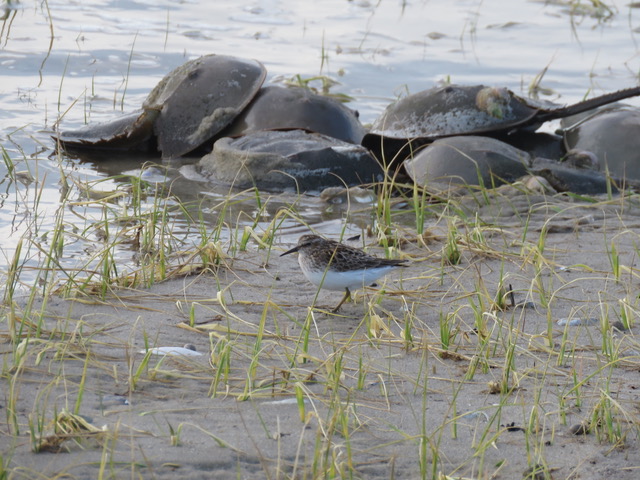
(216, 109)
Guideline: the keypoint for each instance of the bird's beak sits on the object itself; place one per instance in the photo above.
(293, 250)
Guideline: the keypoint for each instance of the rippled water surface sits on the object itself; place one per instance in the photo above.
(66, 63)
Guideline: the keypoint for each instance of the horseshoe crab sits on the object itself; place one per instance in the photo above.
(131, 132)
(200, 98)
(278, 108)
(485, 161)
(188, 107)
(467, 160)
(465, 110)
(612, 135)
(294, 159)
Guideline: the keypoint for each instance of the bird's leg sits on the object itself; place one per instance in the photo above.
(346, 297)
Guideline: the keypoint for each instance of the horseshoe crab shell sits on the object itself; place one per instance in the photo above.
(198, 99)
(132, 132)
(612, 134)
(466, 110)
(572, 179)
(188, 107)
(485, 161)
(278, 108)
(467, 160)
(293, 159)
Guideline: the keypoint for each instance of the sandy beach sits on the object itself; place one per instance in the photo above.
(432, 374)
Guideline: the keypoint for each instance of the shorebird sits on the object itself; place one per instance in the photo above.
(334, 266)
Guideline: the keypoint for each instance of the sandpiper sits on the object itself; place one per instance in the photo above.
(334, 266)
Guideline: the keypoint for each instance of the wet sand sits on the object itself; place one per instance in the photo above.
(285, 391)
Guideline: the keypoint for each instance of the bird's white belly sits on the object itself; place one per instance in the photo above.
(354, 279)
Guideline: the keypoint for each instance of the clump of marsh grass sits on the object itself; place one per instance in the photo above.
(66, 427)
(319, 84)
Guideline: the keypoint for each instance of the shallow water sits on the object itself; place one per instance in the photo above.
(66, 63)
